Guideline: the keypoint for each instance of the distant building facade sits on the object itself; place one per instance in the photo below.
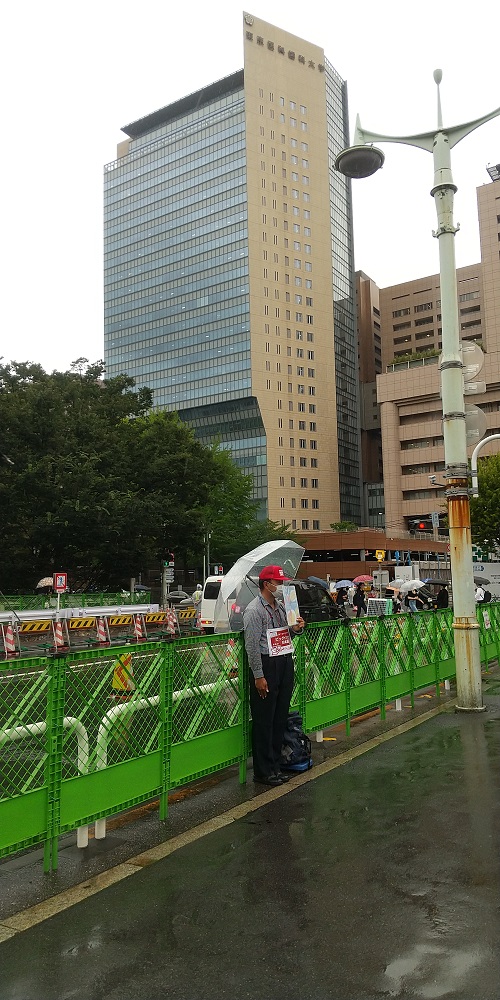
(408, 389)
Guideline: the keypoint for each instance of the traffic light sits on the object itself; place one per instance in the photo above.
(420, 524)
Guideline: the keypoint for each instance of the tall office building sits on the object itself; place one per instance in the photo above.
(229, 278)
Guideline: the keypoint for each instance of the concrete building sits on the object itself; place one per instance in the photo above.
(370, 365)
(229, 278)
(408, 390)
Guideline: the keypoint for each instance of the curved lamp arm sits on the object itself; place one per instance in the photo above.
(473, 461)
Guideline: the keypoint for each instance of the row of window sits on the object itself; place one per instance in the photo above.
(282, 102)
(303, 483)
(300, 389)
(304, 503)
(302, 443)
(304, 525)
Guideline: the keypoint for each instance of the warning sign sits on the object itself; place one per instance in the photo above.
(123, 676)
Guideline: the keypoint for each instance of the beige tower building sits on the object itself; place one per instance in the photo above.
(409, 389)
(229, 274)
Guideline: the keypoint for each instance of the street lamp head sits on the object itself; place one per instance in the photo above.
(359, 161)
(438, 76)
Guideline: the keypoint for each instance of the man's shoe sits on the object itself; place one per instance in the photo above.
(283, 777)
(271, 779)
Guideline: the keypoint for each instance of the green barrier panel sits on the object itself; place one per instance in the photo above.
(95, 732)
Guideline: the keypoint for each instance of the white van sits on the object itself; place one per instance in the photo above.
(207, 604)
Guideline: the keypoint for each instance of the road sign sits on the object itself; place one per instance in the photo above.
(435, 519)
(60, 582)
(218, 571)
(380, 554)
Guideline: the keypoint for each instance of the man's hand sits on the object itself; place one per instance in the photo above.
(299, 624)
(261, 685)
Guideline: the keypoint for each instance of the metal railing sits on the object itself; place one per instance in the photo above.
(89, 734)
(41, 602)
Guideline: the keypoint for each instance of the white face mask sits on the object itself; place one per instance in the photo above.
(278, 591)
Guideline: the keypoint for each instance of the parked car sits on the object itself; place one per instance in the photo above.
(176, 596)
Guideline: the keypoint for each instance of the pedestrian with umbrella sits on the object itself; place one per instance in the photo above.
(269, 650)
(443, 598)
(359, 600)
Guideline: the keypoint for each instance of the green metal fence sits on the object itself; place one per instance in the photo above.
(89, 734)
(40, 602)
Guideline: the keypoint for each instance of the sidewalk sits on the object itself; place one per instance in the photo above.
(376, 878)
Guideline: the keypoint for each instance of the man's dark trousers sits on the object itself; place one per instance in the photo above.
(270, 714)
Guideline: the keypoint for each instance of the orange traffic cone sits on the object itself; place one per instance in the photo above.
(102, 637)
(58, 635)
(9, 641)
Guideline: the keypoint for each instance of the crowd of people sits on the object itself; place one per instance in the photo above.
(357, 595)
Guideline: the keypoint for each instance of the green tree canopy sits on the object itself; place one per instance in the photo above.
(485, 510)
(103, 488)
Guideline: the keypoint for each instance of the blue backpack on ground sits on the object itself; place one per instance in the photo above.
(296, 749)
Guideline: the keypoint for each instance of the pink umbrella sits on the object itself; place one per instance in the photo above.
(363, 579)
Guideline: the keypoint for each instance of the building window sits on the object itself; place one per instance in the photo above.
(304, 504)
(303, 484)
(302, 443)
(314, 484)
(303, 463)
(315, 504)
(314, 463)
(423, 307)
(305, 525)
(313, 445)
(315, 525)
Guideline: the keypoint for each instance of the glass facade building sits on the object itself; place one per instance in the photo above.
(215, 245)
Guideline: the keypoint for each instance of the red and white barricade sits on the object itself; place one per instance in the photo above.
(9, 641)
(102, 631)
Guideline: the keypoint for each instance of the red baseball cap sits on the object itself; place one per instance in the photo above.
(273, 573)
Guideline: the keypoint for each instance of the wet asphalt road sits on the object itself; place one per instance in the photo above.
(378, 879)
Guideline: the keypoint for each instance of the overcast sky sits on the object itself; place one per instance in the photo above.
(74, 73)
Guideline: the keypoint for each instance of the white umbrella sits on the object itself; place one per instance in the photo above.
(396, 584)
(411, 585)
(240, 585)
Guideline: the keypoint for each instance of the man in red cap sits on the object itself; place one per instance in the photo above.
(271, 681)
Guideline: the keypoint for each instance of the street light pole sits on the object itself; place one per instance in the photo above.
(361, 160)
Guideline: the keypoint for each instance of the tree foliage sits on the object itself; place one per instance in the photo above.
(102, 487)
(485, 510)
